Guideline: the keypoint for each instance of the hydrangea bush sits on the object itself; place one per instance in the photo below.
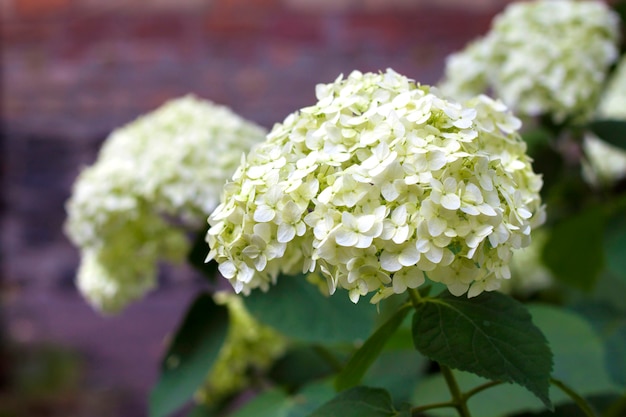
(155, 180)
(547, 57)
(425, 200)
(377, 186)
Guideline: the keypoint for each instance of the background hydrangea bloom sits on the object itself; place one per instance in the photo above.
(250, 348)
(377, 186)
(605, 163)
(155, 179)
(528, 272)
(542, 57)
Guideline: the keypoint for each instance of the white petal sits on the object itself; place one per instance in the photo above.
(409, 256)
(451, 201)
(264, 214)
(286, 233)
(345, 237)
(389, 261)
(365, 223)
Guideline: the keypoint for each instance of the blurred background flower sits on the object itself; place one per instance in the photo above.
(154, 183)
(546, 57)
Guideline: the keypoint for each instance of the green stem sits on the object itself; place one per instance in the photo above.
(415, 296)
(580, 401)
(480, 388)
(459, 400)
(415, 411)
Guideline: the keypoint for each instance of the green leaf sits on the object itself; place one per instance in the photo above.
(491, 335)
(300, 311)
(537, 138)
(574, 249)
(273, 403)
(310, 398)
(578, 361)
(190, 356)
(300, 364)
(397, 371)
(615, 245)
(360, 402)
(198, 253)
(363, 358)
(609, 322)
(277, 403)
(616, 355)
(578, 350)
(603, 315)
(611, 131)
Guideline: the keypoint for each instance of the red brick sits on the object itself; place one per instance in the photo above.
(158, 26)
(42, 8)
(296, 26)
(248, 4)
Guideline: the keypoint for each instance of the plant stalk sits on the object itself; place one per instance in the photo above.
(584, 406)
(415, 296)
(459, 400)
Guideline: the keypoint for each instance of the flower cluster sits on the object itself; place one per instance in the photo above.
(604, 163)
(250, 348)
(154, 177)
(379, 185)
(540, 57)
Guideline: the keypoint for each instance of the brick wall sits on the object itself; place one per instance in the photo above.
(46, 8)
(75, 69)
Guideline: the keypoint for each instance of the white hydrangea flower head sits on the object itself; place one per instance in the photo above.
(613, 101)
(605, 163)
(378, 186)
(154, 179)
(250, 348)
(540, 57)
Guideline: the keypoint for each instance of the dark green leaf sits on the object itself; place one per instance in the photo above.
(359, 402)
(190, 355)
(363, 358)
(197, 255)
(615, 245)
(574, 251)
(300, 311)
(616, 355)
(301, 364)
(578, 361)
(491, 335)
(611, 131)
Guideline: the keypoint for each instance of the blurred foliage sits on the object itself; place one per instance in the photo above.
(46, 380)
